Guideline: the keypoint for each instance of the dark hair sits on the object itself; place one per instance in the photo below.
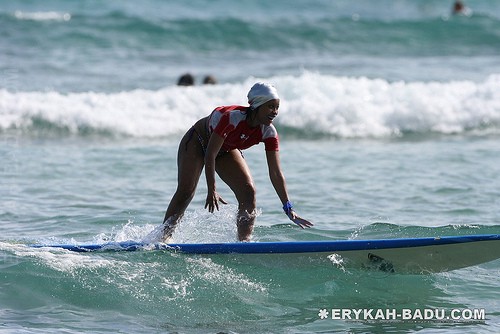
(186, 80)
(209, 80)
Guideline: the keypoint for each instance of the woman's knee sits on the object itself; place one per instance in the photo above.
(184, 196)
(247, 196)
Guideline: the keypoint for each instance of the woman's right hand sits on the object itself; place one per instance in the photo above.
(212, 202)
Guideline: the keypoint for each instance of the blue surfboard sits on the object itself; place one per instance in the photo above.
(405, 255)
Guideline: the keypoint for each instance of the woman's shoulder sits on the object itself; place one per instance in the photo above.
(232, 108)
(227, 115)
(235, 113)
(269, 131)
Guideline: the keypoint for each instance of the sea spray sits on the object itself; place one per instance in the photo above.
(312, 103)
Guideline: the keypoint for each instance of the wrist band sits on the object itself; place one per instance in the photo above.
(288, 207)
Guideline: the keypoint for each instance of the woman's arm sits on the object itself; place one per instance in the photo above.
(276, 175)
(279, 184)
(214, 145)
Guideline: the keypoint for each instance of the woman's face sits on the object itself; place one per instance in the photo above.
(268, 111)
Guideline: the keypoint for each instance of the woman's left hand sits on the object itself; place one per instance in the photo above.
(303, 223)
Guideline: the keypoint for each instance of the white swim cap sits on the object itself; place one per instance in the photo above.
(261, 93)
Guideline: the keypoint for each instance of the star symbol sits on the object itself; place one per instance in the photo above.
(323, 314)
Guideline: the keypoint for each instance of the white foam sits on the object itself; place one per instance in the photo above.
(361, 107)
(58, 259)
(42, 16)
(196, 226)
(338, 106)
(215, 273)
(200, 226)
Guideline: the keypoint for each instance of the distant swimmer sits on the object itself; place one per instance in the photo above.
(215, 143)
(209, 80)
(459, 8)
(185, 80)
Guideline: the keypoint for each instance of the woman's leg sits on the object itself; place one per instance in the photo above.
(190, 161)
(233, 170)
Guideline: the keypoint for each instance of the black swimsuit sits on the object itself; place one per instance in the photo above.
(202, 142)
(200, 139)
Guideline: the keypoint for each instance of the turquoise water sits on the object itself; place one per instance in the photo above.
(95, 190)
(389, 123)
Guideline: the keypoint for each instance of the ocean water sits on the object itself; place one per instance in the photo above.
(389, 125)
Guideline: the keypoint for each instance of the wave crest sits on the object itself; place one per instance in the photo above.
(42, 16)
(313, 105)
